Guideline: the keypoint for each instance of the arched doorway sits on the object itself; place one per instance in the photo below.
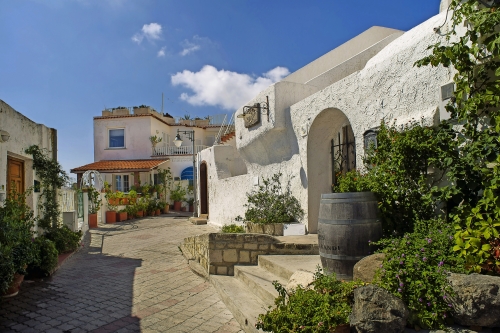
(203, 188)
(330, 151)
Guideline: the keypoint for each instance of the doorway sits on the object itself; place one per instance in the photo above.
(203, 188)
(15, 175)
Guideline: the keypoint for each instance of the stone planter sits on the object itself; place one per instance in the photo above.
(201, 122)
(14, 286)
(120, 217)
(273, 229)
(110, 216)
(92, 220)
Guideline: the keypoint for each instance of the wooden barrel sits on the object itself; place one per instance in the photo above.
(347, 221)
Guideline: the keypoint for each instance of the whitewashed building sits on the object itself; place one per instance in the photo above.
(125, 156)
(17, 132)
(312, 123)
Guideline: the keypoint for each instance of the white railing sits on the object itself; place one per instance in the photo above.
(173, 150)
(221, 131)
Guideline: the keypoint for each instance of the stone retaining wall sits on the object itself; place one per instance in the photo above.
(217, 253)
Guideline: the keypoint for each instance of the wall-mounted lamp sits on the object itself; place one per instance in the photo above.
(4, 136)
(251, 114)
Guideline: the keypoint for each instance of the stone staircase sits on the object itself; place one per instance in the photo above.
(202, 219)
(250, 291)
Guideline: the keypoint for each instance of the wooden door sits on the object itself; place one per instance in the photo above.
(203, 188)
(15, 175)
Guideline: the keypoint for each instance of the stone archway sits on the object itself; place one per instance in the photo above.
(203, 188)
(330, 124)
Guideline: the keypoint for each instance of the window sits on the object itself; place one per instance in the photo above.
(117, 138)
(122, 183)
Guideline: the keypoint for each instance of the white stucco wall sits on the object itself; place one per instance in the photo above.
(388, 87)
(23, 133)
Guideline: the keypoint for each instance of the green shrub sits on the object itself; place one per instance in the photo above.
(272, 204)
(46, 258)
(415, 270)
(16, 237)
(232, 229)
(320, 309)
(64, 239)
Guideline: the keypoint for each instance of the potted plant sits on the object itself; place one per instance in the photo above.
(132, 194)
(190, 202)
(186, 120)
(158, 207)
(201, 122)
(131, 211)
(154, 140)
(151, 208)
(165, 208)
(95, 203)
(177, 195)
(17, 249)
(121, 215)
(140, 208)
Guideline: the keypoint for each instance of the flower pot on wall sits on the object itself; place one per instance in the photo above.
(177, 205)
(110, 216)
(92, 220)
(114, 201)
(124, 201)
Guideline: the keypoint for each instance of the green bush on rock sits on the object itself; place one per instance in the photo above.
(320, 309)
(415, 270)
(232, 229)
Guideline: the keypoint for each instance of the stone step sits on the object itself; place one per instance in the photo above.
(203, 216)
(284, 266)
(259, 281)
(198, 220)
(244, 305)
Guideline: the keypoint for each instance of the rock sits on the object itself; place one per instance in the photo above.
(300, 277)
(375, 310)
(477, 300)
(365, 268)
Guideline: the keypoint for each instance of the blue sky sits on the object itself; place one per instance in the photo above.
(63, 61)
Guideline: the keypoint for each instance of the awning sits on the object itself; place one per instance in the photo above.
(187, 174)
(119, 166)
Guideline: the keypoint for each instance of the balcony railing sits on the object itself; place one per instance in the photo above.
(173, 150)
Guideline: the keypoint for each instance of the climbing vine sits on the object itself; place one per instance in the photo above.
(52, 177)
(472, 48)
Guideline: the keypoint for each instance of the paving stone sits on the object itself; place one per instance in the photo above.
(140, 282)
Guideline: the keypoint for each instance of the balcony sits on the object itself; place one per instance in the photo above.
(173, 150)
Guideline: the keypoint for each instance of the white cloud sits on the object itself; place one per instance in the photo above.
(188, 47)
(161, 53)
(229, 90)
(151, 32)
(196, 44)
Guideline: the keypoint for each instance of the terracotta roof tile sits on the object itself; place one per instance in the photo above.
(120, 165)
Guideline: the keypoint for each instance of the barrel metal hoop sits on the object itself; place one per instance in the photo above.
(340, 257)
(337, 201)
(349, 222)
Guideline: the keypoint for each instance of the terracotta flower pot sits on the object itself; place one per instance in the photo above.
(92, 220)
(157, 212)
(140, 213)
(191, 208)
(124, 201)
(110, 216)
(183, 209)
(114, 202)
(14, 286)
(120, 217)
(177, 205)
(166, 209)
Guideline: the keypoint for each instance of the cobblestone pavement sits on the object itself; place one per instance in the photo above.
(128, 277)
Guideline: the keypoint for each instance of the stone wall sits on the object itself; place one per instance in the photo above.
(217, 253)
